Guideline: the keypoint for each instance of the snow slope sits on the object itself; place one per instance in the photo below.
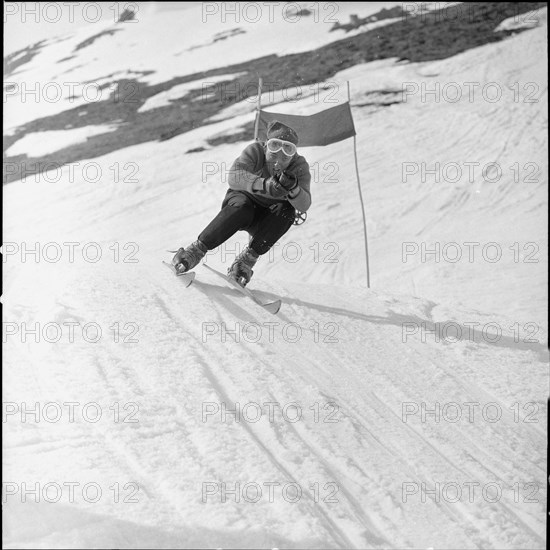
(360, 364)
(183, 366)
(277, 31)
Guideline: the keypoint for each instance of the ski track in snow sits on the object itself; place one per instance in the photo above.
(369, 452)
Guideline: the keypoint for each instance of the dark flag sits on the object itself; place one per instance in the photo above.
(324, 128)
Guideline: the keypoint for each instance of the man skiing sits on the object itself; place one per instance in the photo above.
(268, 182)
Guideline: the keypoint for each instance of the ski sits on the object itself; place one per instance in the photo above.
(187, 278)
(271, 307)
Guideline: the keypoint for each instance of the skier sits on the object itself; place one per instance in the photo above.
(267, 183)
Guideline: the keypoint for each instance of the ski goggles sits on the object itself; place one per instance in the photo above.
(275, 145)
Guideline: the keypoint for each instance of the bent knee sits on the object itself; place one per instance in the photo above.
(239, 200)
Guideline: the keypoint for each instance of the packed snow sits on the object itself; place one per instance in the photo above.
(42, 143)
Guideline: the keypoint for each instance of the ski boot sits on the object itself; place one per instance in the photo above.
(187, 258)
(241, 269)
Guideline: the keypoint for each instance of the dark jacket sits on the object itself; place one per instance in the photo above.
(250, 169)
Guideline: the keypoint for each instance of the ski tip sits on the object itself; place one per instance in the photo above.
(273, 307)
(169, 266)
(187, 277)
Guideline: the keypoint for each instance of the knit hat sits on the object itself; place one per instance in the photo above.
(276, 129)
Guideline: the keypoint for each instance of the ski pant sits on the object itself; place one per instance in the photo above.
(240, 212)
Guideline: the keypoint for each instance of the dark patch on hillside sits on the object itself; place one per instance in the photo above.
(381, 98)
(224, 35)
(20, 57)
(243, 133)
(92, 39)
(356, 21)
(413, 39)
(127, 15)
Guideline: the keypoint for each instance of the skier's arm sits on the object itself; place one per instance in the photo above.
(301, 197)
(243, 173)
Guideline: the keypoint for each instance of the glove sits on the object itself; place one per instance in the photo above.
(290, 183)
(274, 189)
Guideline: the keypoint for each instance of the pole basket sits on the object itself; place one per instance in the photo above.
(300, 217)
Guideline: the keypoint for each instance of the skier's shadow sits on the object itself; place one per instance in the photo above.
(30, 520)
(426, 327)
(224, 297)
